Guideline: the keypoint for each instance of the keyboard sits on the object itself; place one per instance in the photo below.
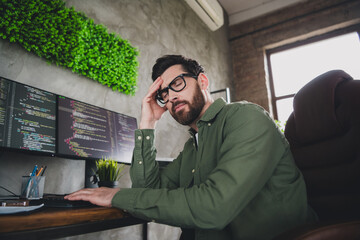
(58, 201)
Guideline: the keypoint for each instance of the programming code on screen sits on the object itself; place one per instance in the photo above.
(27, 117)
(92, 132)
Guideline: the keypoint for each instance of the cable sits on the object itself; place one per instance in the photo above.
(9, 191)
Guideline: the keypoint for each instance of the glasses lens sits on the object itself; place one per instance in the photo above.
(164, 95)
(178, 84)
(160, 101)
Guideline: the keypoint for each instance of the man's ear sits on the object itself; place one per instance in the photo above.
(203, 81)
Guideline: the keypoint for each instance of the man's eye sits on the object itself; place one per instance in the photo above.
(164, 95)
(177, 83)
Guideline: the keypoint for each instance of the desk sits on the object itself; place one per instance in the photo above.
(47, 223)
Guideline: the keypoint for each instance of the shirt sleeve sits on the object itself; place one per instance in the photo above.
(144, 170)
(251, 149)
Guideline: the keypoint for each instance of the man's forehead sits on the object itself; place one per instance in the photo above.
(172, 72)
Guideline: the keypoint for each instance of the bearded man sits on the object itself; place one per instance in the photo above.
(234, 179)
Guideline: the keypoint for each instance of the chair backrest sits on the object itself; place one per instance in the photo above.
(324, 136)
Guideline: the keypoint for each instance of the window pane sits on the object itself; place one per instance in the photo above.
(293, 68)
(284, 109)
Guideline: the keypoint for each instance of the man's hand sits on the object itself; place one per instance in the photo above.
(98, 196)
(151, 112)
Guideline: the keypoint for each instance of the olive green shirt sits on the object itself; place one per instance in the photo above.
(239, 182)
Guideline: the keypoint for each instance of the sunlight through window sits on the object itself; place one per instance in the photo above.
(293, 68)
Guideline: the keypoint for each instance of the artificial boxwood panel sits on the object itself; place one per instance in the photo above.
(68, 38)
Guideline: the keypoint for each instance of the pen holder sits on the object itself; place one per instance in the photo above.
(32, 187)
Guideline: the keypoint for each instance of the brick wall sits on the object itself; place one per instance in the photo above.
(249, 40)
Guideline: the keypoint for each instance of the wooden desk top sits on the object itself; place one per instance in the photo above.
(61, 222)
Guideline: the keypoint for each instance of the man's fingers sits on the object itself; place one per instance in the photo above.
(155, 86)
(79, 195)
(98, 196)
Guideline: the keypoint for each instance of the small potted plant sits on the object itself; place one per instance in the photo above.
(108, 172)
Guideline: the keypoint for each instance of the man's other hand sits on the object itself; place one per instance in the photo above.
(98, 196)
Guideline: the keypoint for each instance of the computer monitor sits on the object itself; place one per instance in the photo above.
(90, 132)
(27, 118)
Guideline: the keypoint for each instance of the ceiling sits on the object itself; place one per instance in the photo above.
(242, 10)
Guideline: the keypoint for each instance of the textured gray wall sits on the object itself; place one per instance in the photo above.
(156, 28)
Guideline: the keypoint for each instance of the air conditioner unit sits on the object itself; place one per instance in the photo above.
(210, 11)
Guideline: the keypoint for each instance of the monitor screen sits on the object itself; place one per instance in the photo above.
(87, 131)
(27, 117)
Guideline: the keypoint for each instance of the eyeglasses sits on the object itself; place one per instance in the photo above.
(177, 85)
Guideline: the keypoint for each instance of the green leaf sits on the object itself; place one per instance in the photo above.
(68, 38)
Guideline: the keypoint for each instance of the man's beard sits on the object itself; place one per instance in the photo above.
(198, 102)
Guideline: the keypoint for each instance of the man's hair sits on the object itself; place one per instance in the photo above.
(163, 63)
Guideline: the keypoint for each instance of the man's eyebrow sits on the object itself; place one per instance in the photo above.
(162, 88)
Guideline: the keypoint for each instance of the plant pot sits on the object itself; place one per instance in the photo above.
(109, 184)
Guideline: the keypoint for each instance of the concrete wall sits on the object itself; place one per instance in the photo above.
(155, 27)
(250, 39)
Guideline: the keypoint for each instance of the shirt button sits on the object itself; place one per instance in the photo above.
(209, 124)
(139, 137)
(147, 137)
(193, 170)
(140, 162)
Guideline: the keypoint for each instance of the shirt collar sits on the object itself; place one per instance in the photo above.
(211, 112)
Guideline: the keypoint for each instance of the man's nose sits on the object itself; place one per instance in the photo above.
(172, 95)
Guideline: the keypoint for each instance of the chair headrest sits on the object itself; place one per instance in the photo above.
(314, 107)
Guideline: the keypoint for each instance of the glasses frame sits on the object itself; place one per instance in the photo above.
(159, 92)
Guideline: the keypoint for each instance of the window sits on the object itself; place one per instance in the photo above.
(291, 69)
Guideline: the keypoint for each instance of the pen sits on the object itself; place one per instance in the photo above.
(34, 171)
(27, 189)
(43, 170)
(39, 172)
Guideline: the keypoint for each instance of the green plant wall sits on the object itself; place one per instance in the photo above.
(68, 38)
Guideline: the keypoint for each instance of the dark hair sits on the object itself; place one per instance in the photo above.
(163, 63)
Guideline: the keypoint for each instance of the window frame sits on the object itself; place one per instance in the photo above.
(273, 98)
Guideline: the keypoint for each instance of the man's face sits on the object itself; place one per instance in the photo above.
(185, 106)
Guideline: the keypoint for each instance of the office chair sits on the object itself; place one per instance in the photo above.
(324, 135)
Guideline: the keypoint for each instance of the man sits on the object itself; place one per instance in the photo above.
(234, 179)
